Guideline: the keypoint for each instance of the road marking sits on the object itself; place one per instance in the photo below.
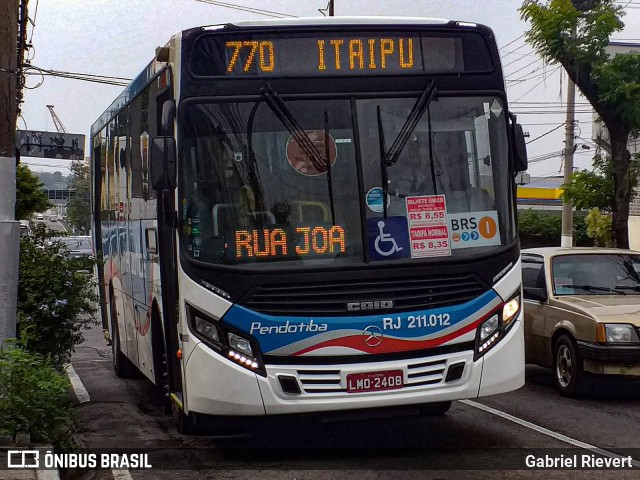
(121, 475)
(78, 386)
(546, 431)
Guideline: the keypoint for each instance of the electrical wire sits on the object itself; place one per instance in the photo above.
(242, 8)
(512, 41)
(547, 133)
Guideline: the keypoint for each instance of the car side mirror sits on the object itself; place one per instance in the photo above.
(537, 294)
(163, 163)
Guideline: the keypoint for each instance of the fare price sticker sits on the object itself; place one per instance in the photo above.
(427, 210)
(428, 228)
(429, 241)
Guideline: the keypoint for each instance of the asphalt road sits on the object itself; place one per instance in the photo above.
(485, 438)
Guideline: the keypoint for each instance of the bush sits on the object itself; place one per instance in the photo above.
(33, 397)
(599, 228)
(544, 229)
(56, 298)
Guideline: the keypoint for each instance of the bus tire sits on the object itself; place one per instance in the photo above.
(160, 367)
(122, 366)
(186, 424)
(436, 408)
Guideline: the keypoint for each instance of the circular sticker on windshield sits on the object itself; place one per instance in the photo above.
(374, 199)
(299, 158)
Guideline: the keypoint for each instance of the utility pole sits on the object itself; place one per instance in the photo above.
(9, 228)
(331, 10)
(567, 205)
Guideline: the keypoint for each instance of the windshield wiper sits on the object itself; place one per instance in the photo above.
(283, 113)
(322, 164)
(410, 124)
(635, 288)
(389, 158)
(588, 288)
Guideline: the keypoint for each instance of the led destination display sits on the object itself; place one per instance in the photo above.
(307, 54)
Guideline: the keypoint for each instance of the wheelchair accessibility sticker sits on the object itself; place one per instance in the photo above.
(388, 238)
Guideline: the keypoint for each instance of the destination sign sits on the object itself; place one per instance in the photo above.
(287, 242)
(305, 54)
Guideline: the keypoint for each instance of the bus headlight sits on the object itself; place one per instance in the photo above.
(496, 326)
(240, 344)
(226, 341)
(206, 328)
(510, 310)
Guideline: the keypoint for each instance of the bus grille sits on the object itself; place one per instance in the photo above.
(328, 381)
(331, 298)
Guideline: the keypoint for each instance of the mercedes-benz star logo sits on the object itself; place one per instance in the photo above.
(372, 336)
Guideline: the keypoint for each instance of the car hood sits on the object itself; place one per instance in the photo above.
(604, 308)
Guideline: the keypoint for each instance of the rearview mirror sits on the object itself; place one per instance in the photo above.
(163, 163)
(520, 161)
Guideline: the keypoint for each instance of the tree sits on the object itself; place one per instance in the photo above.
(79, 208)
(30, 197)
(575, 33)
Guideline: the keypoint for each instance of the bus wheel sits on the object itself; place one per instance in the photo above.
(185, 424)
(160, 367)
(436, 408)
(122, 367)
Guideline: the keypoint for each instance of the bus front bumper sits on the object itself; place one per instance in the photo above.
(216, 386)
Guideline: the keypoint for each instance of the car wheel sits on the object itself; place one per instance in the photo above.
(567, 367)
(122, 366)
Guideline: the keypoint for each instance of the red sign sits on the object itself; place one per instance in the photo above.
(427, 210)
(298, 158)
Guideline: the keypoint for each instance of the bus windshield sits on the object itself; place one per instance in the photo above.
(300, 181)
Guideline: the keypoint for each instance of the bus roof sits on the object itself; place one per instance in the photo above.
(317, 21)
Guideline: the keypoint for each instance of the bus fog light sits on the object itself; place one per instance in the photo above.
(240, 344)
(488, 327)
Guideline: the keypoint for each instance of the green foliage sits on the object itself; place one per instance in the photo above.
(618, 80)
(30, 198)
(553, 23)
(544, 229)
(535, 224)
(595, 189)
(33, 397)
(79, 208)
(56, 297)
(599, 228)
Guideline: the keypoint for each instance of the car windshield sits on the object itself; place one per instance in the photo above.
(596, 274)
(300, 181)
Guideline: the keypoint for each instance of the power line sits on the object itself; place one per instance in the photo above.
(546, 133)
(512, 41)
(242, 8)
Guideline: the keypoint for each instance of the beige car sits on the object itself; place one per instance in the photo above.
(582, 312)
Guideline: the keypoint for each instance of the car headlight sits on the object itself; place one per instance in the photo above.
(616, 333)
(230, 343)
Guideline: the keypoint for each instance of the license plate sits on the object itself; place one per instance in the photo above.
(374, 381)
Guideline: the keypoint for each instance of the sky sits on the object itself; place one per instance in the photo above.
(117, 38)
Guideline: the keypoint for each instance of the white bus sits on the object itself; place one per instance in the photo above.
(313, 215)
